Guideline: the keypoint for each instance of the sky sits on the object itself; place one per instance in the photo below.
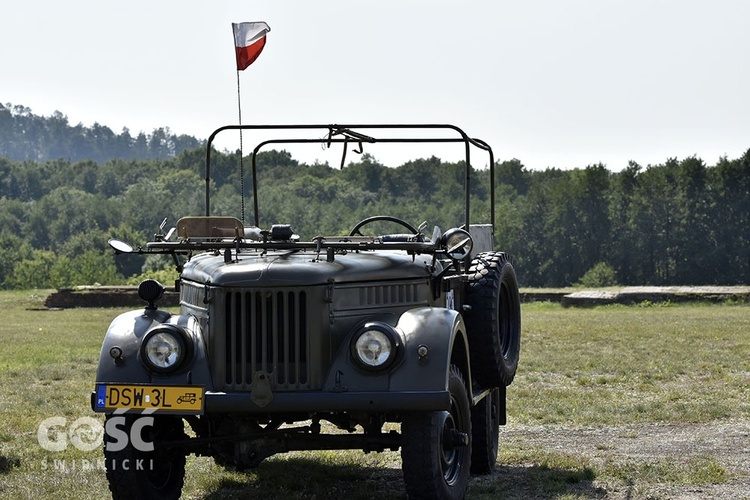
(552, 83)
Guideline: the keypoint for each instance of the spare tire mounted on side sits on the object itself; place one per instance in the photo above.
(494, 319)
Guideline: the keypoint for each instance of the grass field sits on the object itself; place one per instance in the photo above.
(595, 389)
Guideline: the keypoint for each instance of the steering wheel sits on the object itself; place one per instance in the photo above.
(355, 230)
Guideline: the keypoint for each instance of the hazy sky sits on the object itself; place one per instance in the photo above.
(554, 83)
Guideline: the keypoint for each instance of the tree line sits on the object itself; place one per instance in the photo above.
(64, 190)
(27, 136)
(682, 222)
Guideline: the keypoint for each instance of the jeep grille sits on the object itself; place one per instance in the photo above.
(267, 331)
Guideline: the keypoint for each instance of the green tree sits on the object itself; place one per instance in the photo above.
(624, 232)
(67, 211)
(694, 253)
(33, 271)
(89, 268)
(535, 256)
(12, 250)
(514, 174)
(601, 275)
(654, 210)
(730, 220)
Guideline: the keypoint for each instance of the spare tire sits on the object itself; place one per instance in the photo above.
(493, 319)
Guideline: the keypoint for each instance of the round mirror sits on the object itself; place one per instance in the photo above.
(120, 246)
(457, 243)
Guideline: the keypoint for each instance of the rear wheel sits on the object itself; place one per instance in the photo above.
(485, 433)
(436, 447)
(494, 319)
(158, 474)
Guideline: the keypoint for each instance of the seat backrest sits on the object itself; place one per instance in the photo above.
(204, 228)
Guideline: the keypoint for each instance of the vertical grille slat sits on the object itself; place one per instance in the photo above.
(243, 351)
(267, 331)
(263, 333)
(229, 360)
(284, 348)
(237, 327)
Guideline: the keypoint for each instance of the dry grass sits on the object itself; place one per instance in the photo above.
(601, 368)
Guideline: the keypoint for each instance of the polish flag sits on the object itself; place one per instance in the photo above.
(249, 40)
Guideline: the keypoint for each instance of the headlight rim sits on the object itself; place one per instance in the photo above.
(182, 337)
(390, 333)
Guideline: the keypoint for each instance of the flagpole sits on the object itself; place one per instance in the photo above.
(242, 166)
(249, 40)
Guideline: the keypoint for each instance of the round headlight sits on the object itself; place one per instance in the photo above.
(164, 350)
(375, 347)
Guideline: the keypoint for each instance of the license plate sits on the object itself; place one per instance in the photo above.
(162, 398)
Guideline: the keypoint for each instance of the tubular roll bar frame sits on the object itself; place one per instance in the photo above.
(353, 134)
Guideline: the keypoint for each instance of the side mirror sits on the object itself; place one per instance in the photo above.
(457, 243)
(120, 246)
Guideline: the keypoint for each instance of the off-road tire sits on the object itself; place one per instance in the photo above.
(156, 475)
(493, 319)
(433, 467)
(485, 433)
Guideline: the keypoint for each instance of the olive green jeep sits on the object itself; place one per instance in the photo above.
(275, 335)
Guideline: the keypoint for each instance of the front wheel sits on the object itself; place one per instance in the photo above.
(436, 447)
(139, 460)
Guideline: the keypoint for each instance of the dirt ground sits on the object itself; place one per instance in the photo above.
(638, 446)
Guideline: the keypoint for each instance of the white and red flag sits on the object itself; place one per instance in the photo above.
(249, 40)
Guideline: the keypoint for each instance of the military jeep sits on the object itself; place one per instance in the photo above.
(276, 335)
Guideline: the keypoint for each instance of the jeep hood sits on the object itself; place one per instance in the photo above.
(309, 268)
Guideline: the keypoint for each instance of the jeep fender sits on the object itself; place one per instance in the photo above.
(441, 331)
(126, 332)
